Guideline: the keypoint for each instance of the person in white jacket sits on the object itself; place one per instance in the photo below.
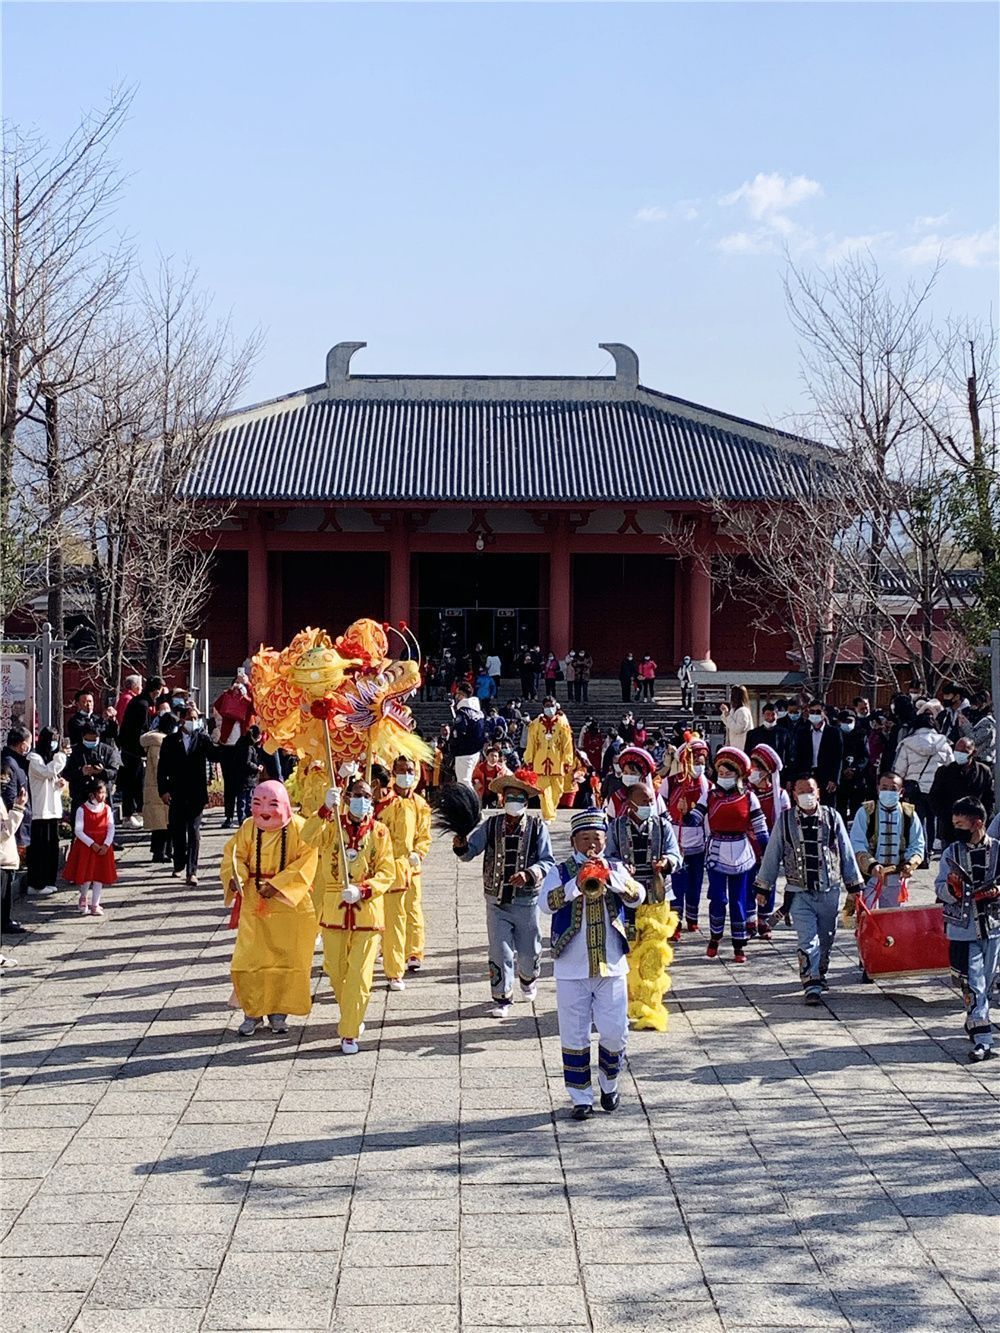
(918, 758)
(737, 718)
(10, 860)
(45, 765)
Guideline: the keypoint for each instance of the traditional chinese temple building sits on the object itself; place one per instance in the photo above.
(498, 510)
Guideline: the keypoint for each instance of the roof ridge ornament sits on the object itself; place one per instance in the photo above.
(338, 364)
(626, 365)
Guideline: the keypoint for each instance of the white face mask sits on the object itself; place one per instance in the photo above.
(769, 725)
(727, 782)
(643, 812)
(404, 781)
(815, 718)
(782, 712)
(515, 808)
(192, 725)
(806, 800)
(962, 757)
(549, 712)
(699, 770)
(757, 778)
(847, 726)
(630, 779)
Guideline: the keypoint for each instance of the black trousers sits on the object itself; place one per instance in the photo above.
(626, 691)
(232, 780)
(130, 781)
(184, 828)
(43, 853)
(159, 844)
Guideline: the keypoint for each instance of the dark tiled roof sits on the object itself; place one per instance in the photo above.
(380, 449)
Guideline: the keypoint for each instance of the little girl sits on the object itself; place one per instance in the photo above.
(91, 860)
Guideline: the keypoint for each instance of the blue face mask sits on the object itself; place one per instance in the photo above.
(888, 800)
(847, 726)
(361, 806)
(90, 745)
(961, 757)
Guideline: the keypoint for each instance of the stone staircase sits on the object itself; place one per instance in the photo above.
(604, 705)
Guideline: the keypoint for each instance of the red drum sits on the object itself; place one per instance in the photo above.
(902, 941)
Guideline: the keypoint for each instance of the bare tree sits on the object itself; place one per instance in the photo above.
(63, 270)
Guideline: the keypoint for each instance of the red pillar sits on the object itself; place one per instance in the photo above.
(399, 570)
(560, 594)
(698, 604)
(258, 598)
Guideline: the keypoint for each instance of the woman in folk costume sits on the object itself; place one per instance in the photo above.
(407, 816)
(350, 907)
(587, 896)
(765, 779)
(685, 790)
(736, 835)
(550, 754)
(267, 872)
(491, 766)
(637, 769)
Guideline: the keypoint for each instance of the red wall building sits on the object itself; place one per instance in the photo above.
(505, 510)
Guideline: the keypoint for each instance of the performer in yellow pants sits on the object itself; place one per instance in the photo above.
(351, 916)
(550, 753)
(269, 865)
(407, 816)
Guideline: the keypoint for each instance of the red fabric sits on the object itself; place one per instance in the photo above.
(233, 706)
(690, 790)
(124, 699)
(84, 865)
(234, 915)
(729, 812)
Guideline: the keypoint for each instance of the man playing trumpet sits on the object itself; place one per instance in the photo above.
(587, 896)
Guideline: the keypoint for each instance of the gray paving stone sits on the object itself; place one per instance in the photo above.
(403, 1215)
(133, 1283)
(151, 1320)
(508, 1267)
(520, 1307)
(200, 1250)
(776, 1306)
(655, 1317)
(644, 1282)
(607, 1245)
(38, 1312)
(391, 1319)
(516, 1198)
(59, 1240)
(413, 1285)
(281, 1308)
(47, 1274)
(288, 1201)
(282, 1236)
(368, 1249)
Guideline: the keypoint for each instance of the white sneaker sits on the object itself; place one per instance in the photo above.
(397, 983)
(500, 1011)
(413, 964)
(529, 993)
(348, 1047)
(7, 961)
(81, 904)
(47, 892)
(136, 821)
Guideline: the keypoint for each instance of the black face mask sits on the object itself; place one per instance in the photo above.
(963, 835)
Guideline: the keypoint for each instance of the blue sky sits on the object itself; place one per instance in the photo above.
(497, 188)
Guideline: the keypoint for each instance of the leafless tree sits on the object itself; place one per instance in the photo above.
(63, 271)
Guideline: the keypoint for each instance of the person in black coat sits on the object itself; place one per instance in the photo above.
(91, 758)
(769, 733)
(182, 777)
(819, 753)
(965, 776)
(248, 766)
(135, 722)
(83, 716)
(854, 776)
(628, 674)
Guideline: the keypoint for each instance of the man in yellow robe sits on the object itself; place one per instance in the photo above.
(550, 753)
(270, 866)
(350, 915)
(407, 816)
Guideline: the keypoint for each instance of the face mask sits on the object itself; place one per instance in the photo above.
(90, 745)
(757, 778)
(404, 781)
(361, 806)
(699, 770)
(769, 725)
(963, 835)
(643, 812)
(847, 727)
(815, 718)
(961, 757)
(782, 712)
(888, 800)
(549, 712)
(192, 725)
(807, 801)
(630, 779)
(515, 808)
(793, 717)
(177, 703)
(727, 782)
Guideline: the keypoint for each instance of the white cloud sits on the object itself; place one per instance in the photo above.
(977, 250)
(685, 210)
(770, 194)
(840, 247)
(930, 222)
(747, 243)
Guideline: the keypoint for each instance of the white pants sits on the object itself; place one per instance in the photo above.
(602, 1001)
(464, 764)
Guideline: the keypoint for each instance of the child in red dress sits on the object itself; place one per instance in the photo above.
(91, 860)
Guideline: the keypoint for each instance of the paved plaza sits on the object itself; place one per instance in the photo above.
(770, 1167)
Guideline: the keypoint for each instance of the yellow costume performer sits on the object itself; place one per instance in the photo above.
(550, 753)
(407, 816)
(270, 865)
(351, 916)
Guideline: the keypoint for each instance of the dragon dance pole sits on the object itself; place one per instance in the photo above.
(342, 850)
